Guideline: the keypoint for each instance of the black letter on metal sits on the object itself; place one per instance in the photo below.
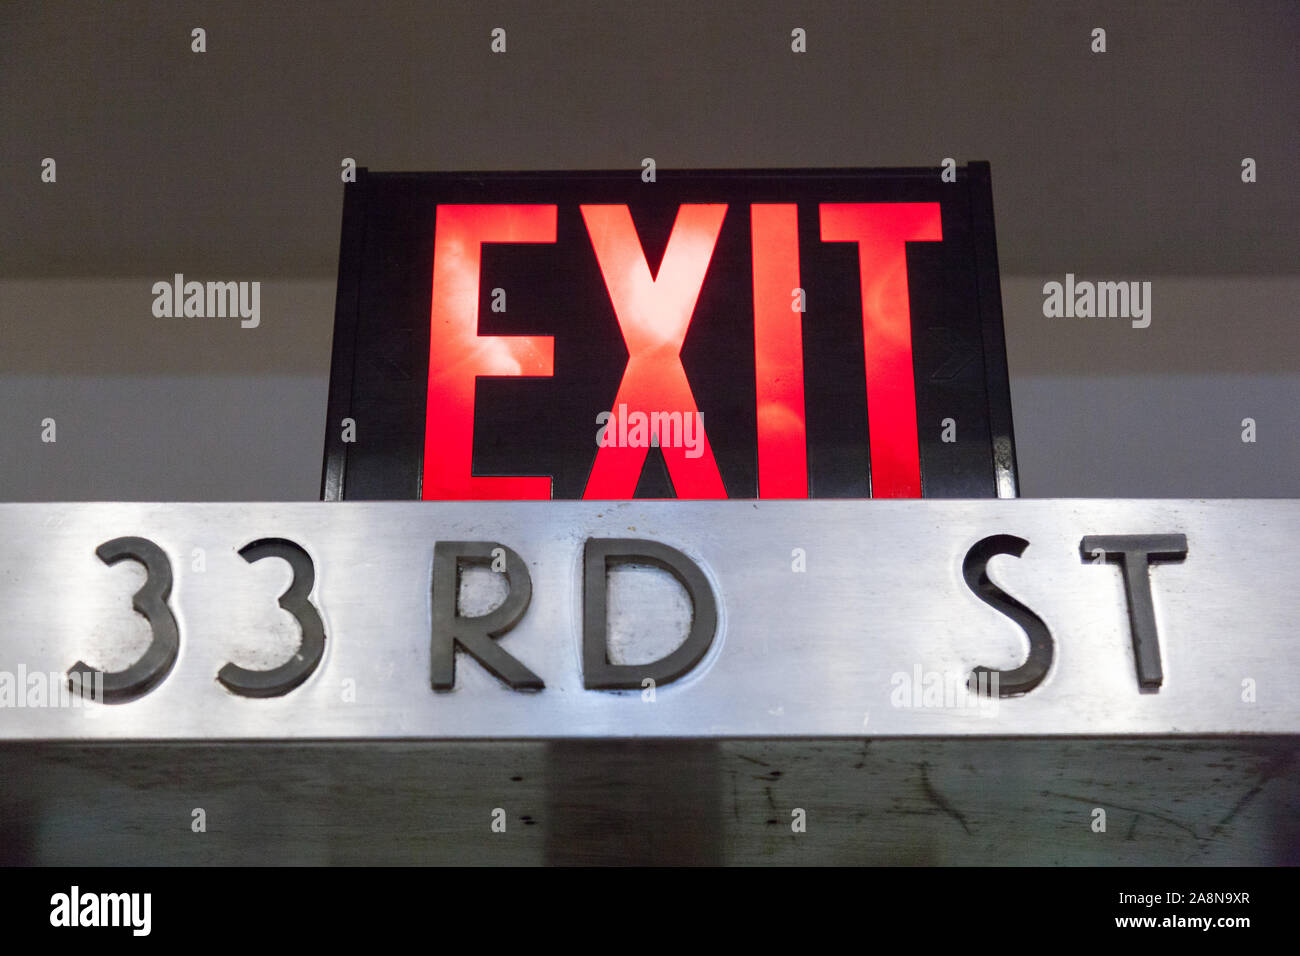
(1030, 674)
(477, 635)
(280, 680)
(150, 601)
(597, 672)
(1134, 554)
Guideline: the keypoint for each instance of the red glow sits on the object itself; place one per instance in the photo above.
(778, 353)
(458, 354)
(881, 230)
(654, 314)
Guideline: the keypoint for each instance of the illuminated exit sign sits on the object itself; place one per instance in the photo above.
(714, 334)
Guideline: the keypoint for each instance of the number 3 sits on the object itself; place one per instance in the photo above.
(282, 679)
(151, 601)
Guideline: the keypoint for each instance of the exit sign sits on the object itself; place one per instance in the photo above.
(807, 333)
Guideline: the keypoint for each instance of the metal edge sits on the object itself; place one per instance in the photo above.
(343, 345)
(997, 381)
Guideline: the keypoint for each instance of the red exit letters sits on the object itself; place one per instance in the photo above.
(654, 314)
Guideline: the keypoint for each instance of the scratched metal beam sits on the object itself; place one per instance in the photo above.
(910, 802)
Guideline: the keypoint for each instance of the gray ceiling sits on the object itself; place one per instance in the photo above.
(228, 161)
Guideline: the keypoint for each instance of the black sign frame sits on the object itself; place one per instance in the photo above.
(379, 368)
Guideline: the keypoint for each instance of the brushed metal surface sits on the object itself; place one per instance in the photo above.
(817, 653)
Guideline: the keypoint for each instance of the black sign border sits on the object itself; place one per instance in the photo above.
(976, 176)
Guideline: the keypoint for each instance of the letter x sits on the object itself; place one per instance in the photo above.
(653, 314)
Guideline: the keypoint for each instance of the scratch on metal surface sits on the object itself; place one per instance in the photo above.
(937, 799)
(1093, 801)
